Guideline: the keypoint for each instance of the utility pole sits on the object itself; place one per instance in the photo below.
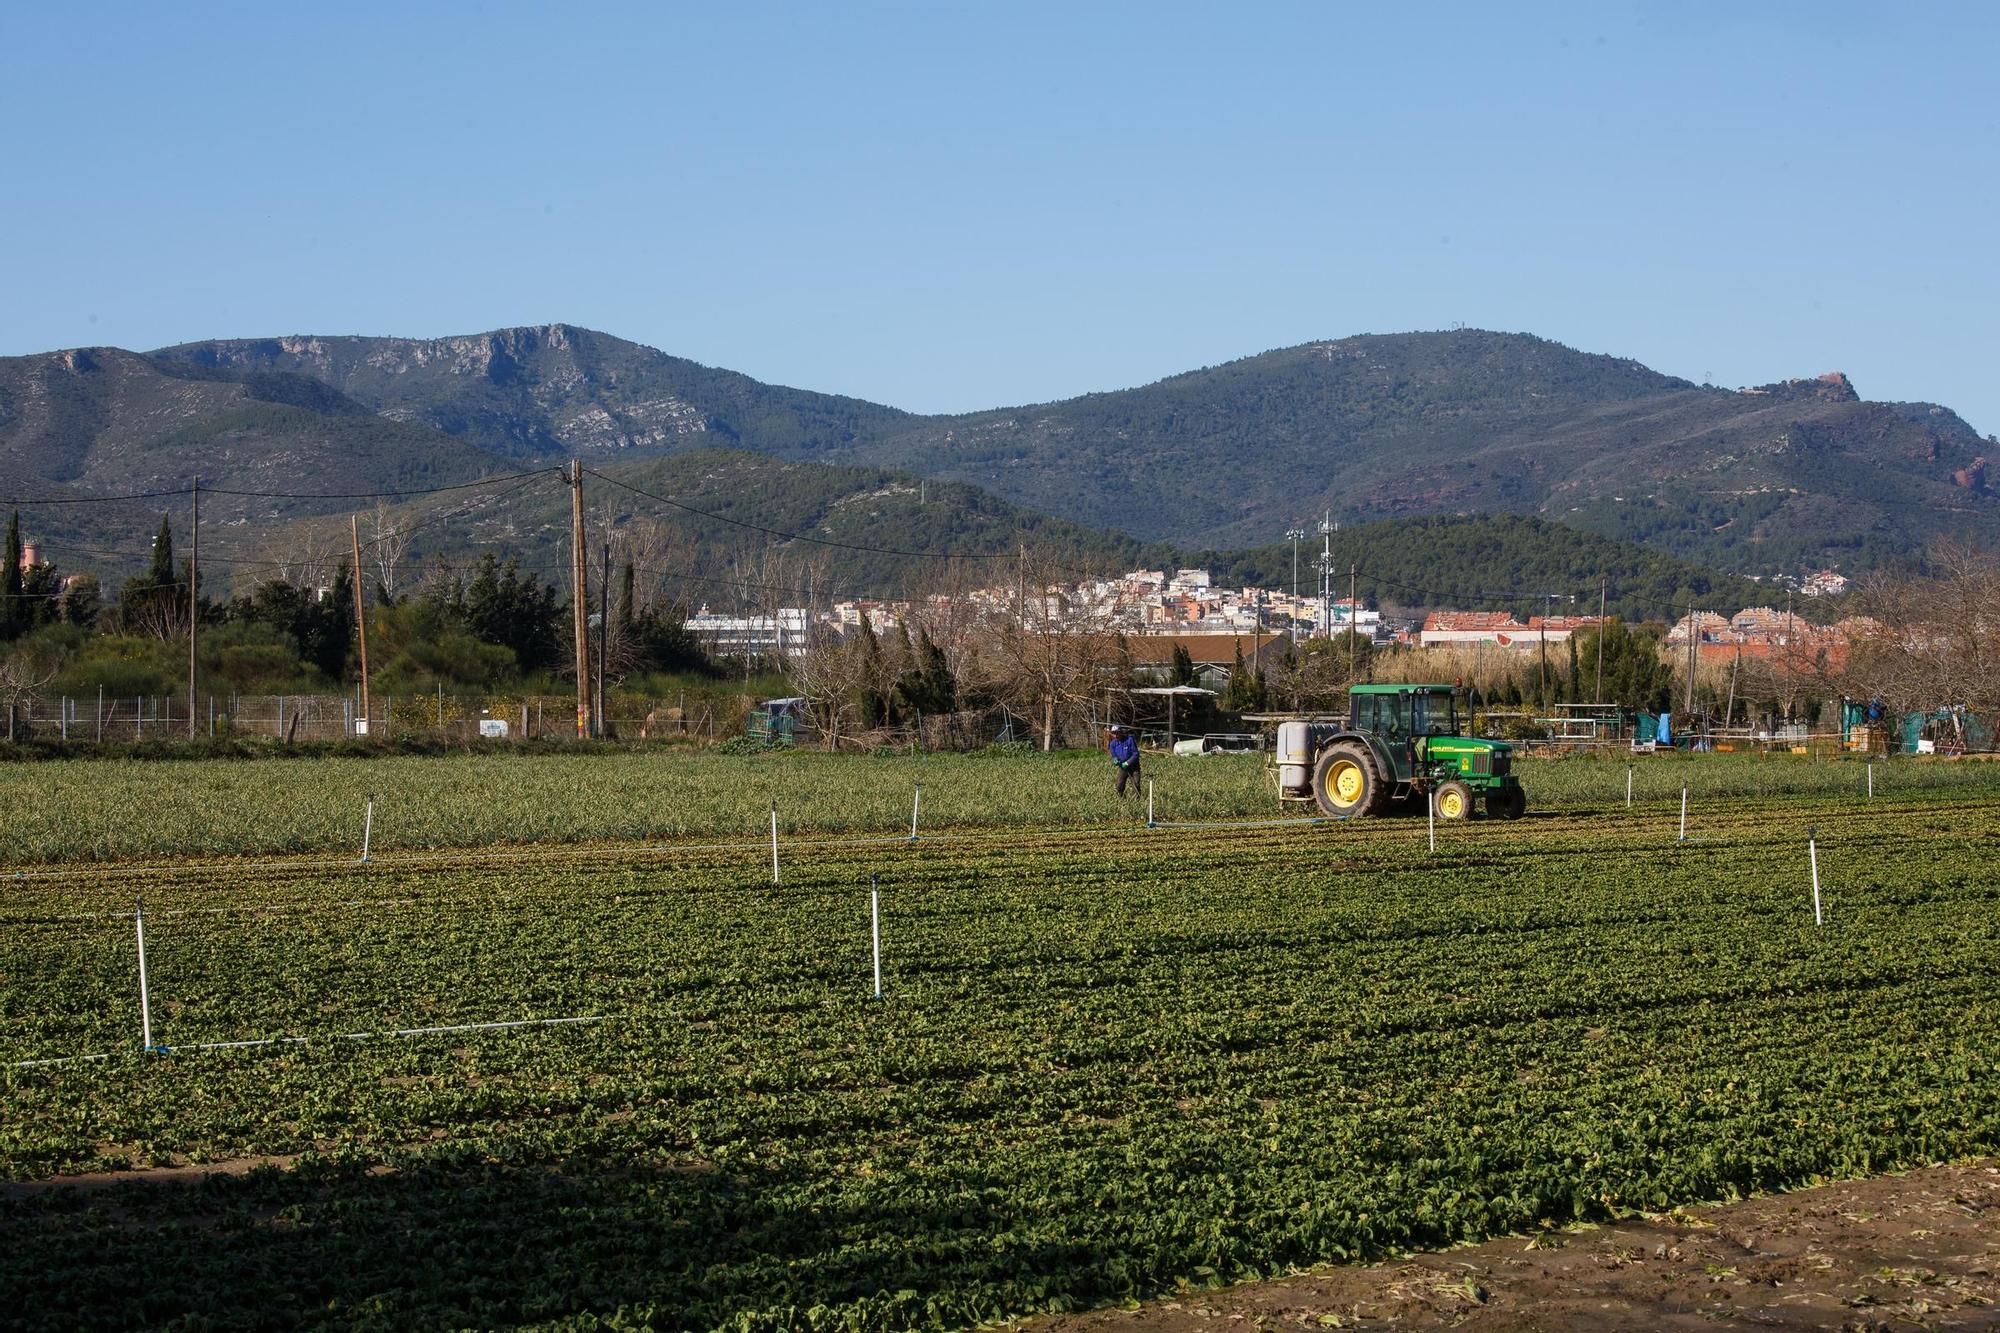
(1729, 711)
(1603, 595)
(1791, 632)
(1021, 585)
(1694, 658)
(1297, 535)
(1548, 600)
(194, 590)
(361, 617)
(1548, 606)
(603, 630)
(1326, 531)
(579, 596)
(1353, 628)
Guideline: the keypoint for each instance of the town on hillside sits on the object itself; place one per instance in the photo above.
(1213, 623)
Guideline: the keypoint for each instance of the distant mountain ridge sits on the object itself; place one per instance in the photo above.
(556, 389)
(1766, 480)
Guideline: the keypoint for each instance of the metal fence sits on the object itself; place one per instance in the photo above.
(331, 717)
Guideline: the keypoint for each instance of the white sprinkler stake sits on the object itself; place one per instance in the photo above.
(774, 842)
(916, 804)
(367, 829)
(1684, 812)
(145, 1000)
(1431, 818)
(1812, 852)
(875, 929)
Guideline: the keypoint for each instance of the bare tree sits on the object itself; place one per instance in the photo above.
(388, 544)
(663, 558)
(24, 673)
(1934, 638)
(1047, 654)
(949, 605)
(831, 671)
(306, 555)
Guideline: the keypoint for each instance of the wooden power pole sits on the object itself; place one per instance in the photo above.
(1694, 657)
(1353, 627)
(360, 619)
(194, 590)
(579, 599)
(603, 631)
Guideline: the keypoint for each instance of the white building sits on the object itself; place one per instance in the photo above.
(734, 636)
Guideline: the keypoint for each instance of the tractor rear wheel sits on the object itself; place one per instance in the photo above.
(1507, 803)
(1454, 800)
(1346, 783)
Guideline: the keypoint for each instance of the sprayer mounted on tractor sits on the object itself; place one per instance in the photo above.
(1398, 744)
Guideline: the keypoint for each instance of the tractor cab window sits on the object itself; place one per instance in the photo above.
(1434, 715)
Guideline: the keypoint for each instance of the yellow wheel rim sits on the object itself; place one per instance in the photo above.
(1452, 805)
(1348, 782)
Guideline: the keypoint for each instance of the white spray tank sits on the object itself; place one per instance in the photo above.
(1295, 752)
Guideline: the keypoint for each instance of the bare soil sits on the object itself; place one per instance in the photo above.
(1915, 1251)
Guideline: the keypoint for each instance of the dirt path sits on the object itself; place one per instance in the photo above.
(1918, 1251)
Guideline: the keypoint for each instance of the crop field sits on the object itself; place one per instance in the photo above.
(119, 809)
(1108, 1061)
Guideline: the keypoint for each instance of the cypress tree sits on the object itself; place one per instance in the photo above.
(11, 618)
(160, 574)
(623, 609)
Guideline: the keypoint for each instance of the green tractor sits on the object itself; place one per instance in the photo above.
(1400, 744)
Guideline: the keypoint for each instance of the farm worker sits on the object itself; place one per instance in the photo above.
(1125, 754)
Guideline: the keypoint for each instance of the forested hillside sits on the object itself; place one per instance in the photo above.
(1768, 481)
(1501, 562)
(1760, 481)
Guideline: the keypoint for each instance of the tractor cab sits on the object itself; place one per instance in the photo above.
(1402, 714)
(1400, 744)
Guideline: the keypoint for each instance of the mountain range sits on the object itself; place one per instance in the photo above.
(1376, 427)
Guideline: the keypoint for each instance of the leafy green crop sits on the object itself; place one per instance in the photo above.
(97, 809)
(1109, 1061)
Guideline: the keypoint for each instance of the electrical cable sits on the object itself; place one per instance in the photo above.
(181, 492)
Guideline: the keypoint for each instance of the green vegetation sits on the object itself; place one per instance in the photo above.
(1108, 1062)
(84, 808)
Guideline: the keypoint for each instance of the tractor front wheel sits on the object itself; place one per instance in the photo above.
(1454, 800)
(1346, 783)
(1507, 803)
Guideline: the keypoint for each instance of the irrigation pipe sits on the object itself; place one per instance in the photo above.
(336, 1036)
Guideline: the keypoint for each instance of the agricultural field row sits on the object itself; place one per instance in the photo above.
(124, 809)
(1105, 1064)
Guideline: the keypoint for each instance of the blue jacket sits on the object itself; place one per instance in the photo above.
(1125, 749)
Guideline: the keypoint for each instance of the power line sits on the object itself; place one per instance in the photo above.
(94, 499)
(287, 495)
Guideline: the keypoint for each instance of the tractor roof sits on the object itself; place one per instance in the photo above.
(1399, 689)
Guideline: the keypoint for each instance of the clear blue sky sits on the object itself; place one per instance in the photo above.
(948, 207)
